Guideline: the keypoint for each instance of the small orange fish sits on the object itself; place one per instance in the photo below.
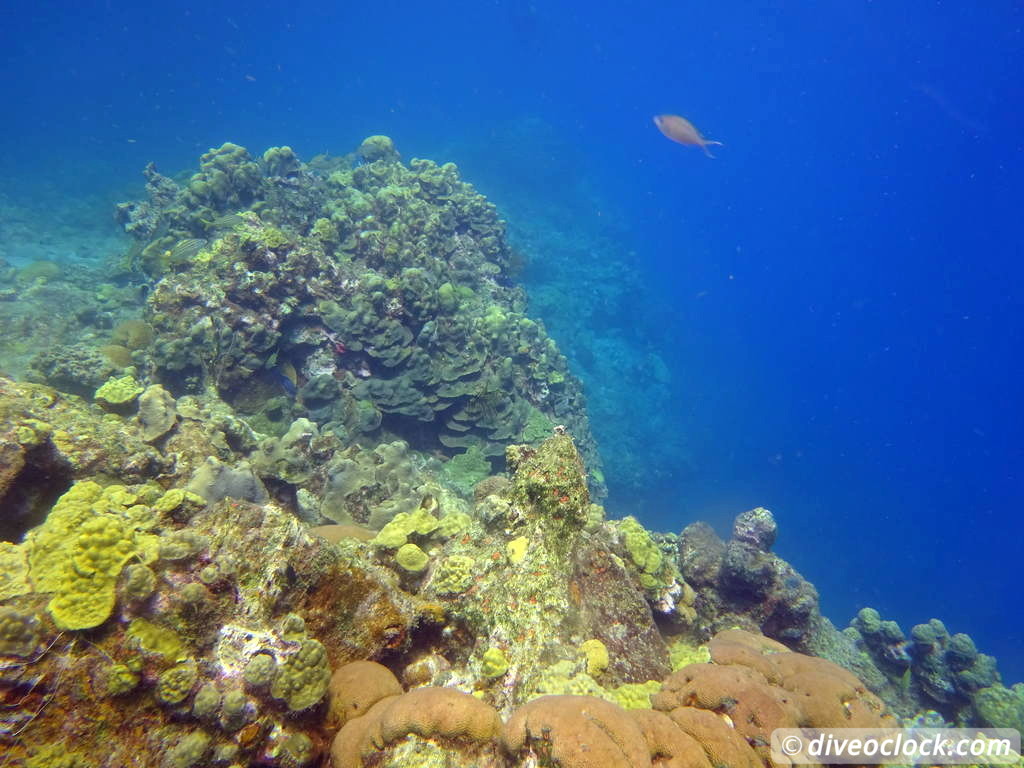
(681, 130)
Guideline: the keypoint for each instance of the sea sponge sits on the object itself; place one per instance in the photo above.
(357, 686)
(577, 732)
(157, 413)
(302, 678)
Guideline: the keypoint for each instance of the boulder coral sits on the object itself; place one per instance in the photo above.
(715, 714)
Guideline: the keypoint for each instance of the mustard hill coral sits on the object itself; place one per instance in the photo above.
(118, 393)
(302, 679)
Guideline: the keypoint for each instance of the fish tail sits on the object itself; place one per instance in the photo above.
(705, 144)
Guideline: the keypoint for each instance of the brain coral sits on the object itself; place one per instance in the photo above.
(357, 686)
(577, 732)
(442, 713)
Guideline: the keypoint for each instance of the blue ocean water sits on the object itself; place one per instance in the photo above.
(825, 319)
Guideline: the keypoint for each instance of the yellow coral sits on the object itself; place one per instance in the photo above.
(516, 549)
(635, 695)
(118, 392)
(303, 678)
(597, 656)
(86, 590)
(13, 570)
(79, 551)
(494, 662)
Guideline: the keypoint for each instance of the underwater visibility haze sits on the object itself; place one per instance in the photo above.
(428, 350)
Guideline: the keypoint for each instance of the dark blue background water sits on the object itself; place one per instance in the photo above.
(836, 298)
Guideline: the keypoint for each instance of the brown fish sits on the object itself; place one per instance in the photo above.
(682, 130)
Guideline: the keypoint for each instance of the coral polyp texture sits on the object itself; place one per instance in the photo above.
(357, 290)
(330, 498)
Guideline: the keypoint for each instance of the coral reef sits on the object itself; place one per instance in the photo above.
(937, 671)
(372, 288)
(742, 583)
(333, 501)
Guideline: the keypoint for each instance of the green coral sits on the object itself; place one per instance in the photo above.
(139, 581)
(19, 632)
(235, 710)
(453, 524)
(403, 525)
(408, 266)
(123, 678)
(181, 545)
(178, 500)
(85, 594)
(174, 684)
(538, 426)
(644, 553)
(79, 551)
(654, 571)
(494, 662)
(118, 392)
(463, 471)
(302, 679)
(13, 570)
(453, 575)
(634, 695)
(260, 670)
(57, 755)
(206, 701)
(156, 639)
(1000, 707)
(516, 549)
(681, 653)
(411, 558)
(596, 654)
(189, 751)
